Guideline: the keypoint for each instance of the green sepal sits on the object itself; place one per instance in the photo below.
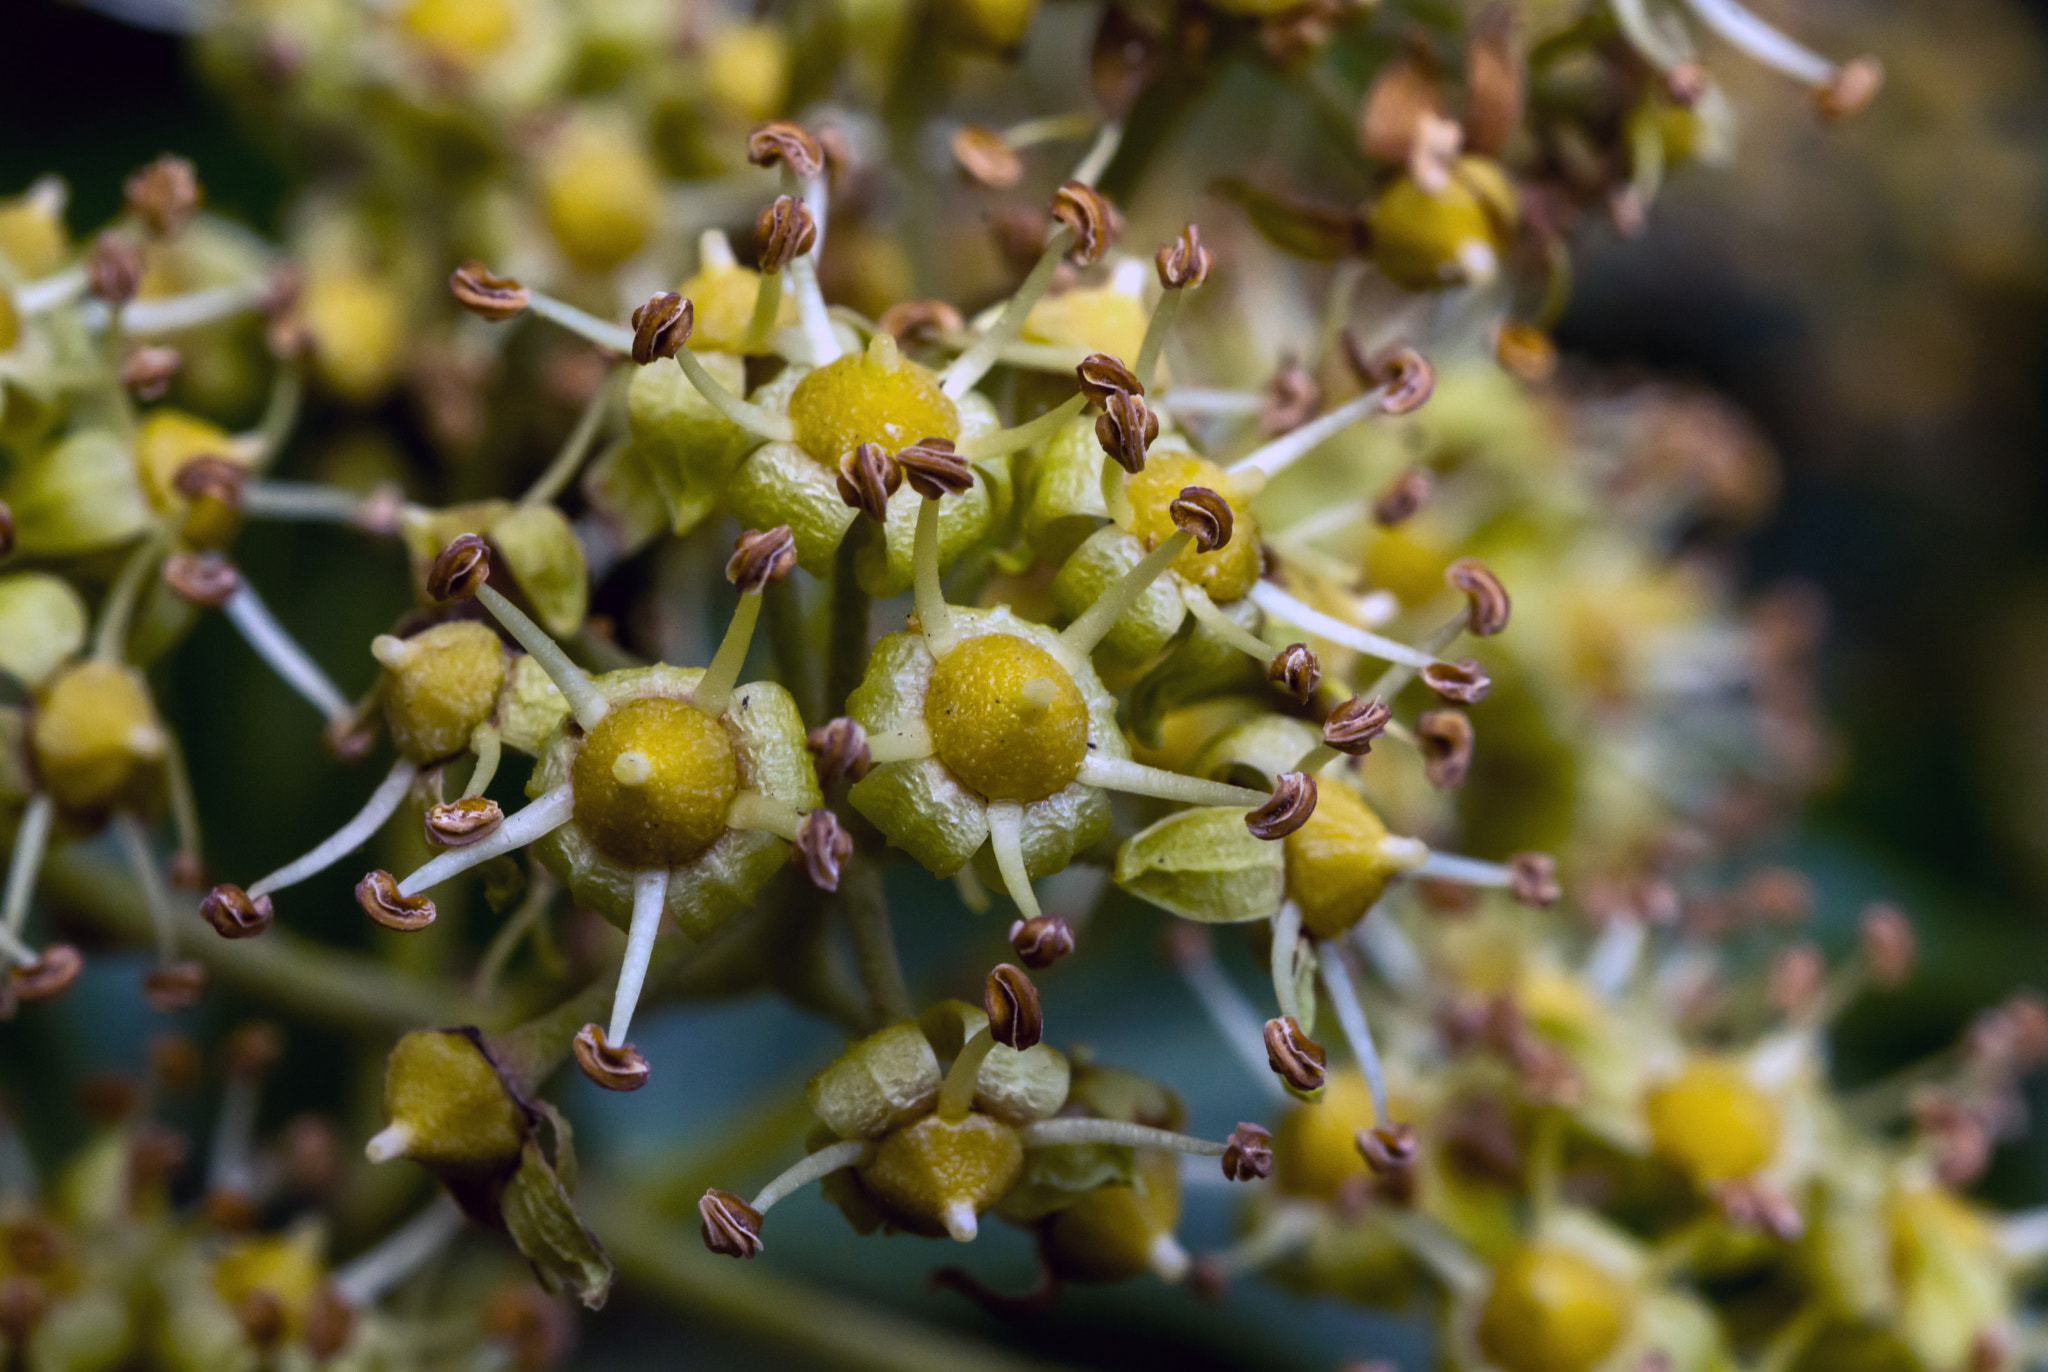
(1203, 864)
(1055, 1177)
(1143, 631)
(882, 561)
(545, 1228)
(1200, 667)
(42, 625)
(621, 487)
(530, 708)
(1063, 504)
(79, 495)
(688, 446)
(779, 483)
(879, 1083)
(545, 557)
(1014, 1087)
(921, 809)
(1255, 750)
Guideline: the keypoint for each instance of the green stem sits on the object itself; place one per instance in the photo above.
(874, 942)
(849, 642)
(1156, 330)
(793, 656)
(576, 447)
(110, 640)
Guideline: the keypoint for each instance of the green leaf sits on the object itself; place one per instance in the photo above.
(1203, 864)
(544, 1226)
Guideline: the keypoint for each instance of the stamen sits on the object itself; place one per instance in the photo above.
(576, 446)
(615, 337)
(279, 418)
(650, 895)
(409, 1248)
(767, 305)
(1050, 128)
(49, 292)
(1228, 1009)
(1005, 441)
(815, 1167)
(1098, 619)
(1333, 963)
(714, 690)
(1076, 1129)
(932, 614)
(540, 818)
(382, 804)
(31, 838)
(1193, 400)
(1280, 1234)
(488, 745)
(956, 1096)
(1391, 682)
(135, 849)
(972, 365)
(812, 315)
(540, 894)
(1006, 838)
(117, 612)
(1288, 610)
(167, 314)
(752, 810)
(282, 653)
(776, 428)
(1741, 29)
(1285, 450)
(585, 703)
(1615, 954)
(1100, 154)
(1465, 871)
(1286, 958)
(311, 501)
(1135, 778)
(2024, 1237)
(184, 806)
(1226, 628)
(1383, 941)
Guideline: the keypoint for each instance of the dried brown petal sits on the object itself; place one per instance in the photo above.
(1886, 937)
(868, 476)
(920, 321)
(663, 325)
(49, 976)
(761, 557)
(176, 987)
(1204, 514)
(234, 914)
(461, 569)
(330, 1322)
(1294, 1057)
(1446, 740)
(1464, 681)
(985, 156)
(731, 1226)
(1402, 497)
(459, 823)
(1125, 429)
(1184, 262)
(1090, 216)
(783, 232)
(252, 1049)
(1535, 879)
(484, 293)
(203, 579)
(1014, 1018)
(841, 749)
(1042, 940)
(147, 371)
(615, 1067)
(1404, 373)
(378, 894)
(1487, 603)
(1353, 726)
(1494, 87)
(1856, 84)
(786, 143)
(822, 848)
(1292, 802)
(1102, 377)
(1525, 351)
(1295, 670)
(1248, 1154)
(113, 269)
(933, 468)
(1291, 400)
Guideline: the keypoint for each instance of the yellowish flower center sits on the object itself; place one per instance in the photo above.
(1551, 1310)
(1229, 572)
(1315, 1147)
(1006, 718)
(94, 730)
(923, 1170)
(1712, 1122)
(1336, 868)
(654, 782)
(875, 396)
(438, 686)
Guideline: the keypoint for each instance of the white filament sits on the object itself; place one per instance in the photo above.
(585, 702)
(650, 894)
(1006, 837)
(1135, 778)
(1465, 871)
(540, 818)
(408, 1249)
(822, 1163)
(279, 649)
(1741, 29)
(31, 837)
(1289, 448)
(382, 804)
(1285, 608)
(1336, 974)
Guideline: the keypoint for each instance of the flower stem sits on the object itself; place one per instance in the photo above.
(972, 365)
(865, 907)
(774, 427)
(1003, 442)
(577, 446)
(848, 651)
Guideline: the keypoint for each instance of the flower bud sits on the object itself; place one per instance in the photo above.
(1042, 940)
(1014, 1018)
(1292, 802)
(233, 914)
(731, 1227)
(449, 1107)
(614, 1066)
(378, 894)
(1294, 1057)
(483, 293)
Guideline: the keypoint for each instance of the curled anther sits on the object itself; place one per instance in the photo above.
(1014, 1017)
(50, 975)
(211, 478)
(1525, 351)
(1248, 1154)
(485, 294)
(164, 195)
(1855, 84)
(1184, 262)
(1534, 879)
(1294, 1057)
(934, 468)
(1405, 374)
(1042, 940)
(920, 321)
(1445, 737)
(1103, 376)
(761, 557)
(1463, 681)
(113, 269)
(175, 987)
(1292, 802)
(1204, 515)
(1392, 1151)
(840, 747)
(1402, 497)
(784, 231)
(822, 848)
(461, 569)
(1352, 726)
(459, 823)
(662, 326)
(1486, 599)
(1295, 670)
(1126, 428)
(1886, 937)
(731, 1226)
(147, 371)
(203, 579)
(1291, 400)
(986, 157)
(614, 1066)
(780, 141)
(1092, 218)
(378, 894)
(868, 476)
(234, 913)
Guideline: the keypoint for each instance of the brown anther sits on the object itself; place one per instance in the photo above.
(1291, 400)
(822, 848)
(986, 157)
(202, 579)
(484, 293)
(252, 1049)
(841, 749)
(1402, 497)
(459, 823)
(1535, 880)
(261, 1316)
(1248, 1153)
(783, 232)
(1184, 262)
(662, 326)
(312, 1151)
(1796, 976)
(1751, 1204)
(920, 321)
(1352, 726)
(330, 1322)
(164, 195)
(1295, 670)
(868, 476)
(176, 987)
(1687, 83)
(211, 478)
(460, 571)
(109, 1097)
(528, 1325)
(1886, 937)
(1524, 351)
(786, 143)
(378, 894)
(175, 1062)
(614, 1066)
(761, 557)
(1202, 513)
(1294, 1057)
(1855, 84)
(188, 872)
(49, 976)
(1486, 600)
(1463, 682)
(23, 1299)
(1292, 802)
(147, 371)
(7, 533)
(1446, 740)
(1125, 429)
(230, 1212)
(233, 913)
(34, 1245)
(933, 468)
(1391, 1151)
(1014, 1019)
(1093, 220)
(1102, 377)
(1042, 940)
(731, 1226)
(113, 269)
(1403, 373)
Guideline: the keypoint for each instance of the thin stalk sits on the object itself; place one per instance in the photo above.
(134, 845)
(1100, 154)
(1135, 778)
(1098, 619)
(1006, 838)
(1285, 959)
(848, 649)
(749, 416)
(576, 446)
(815, 1167)
(175, 313)
(616, 337)
(1391, 682)
(1291, 447)
(650, 896)
(1281, 606)
(585, 702)
(1463, 870)
(1335, 968)
(1228, 1010)
(1741, 29)
(767, 306)
(301, 500)
(1223, 626)
(795, 660)
(489, 747)
(380, 807)
(812, 316)
(31, 841)
(1156, 329)
(1003, 442)
(1075, 1129)
(972, 365)
(1050, 128)
(714, 689)
(409, 1248)
(184, 805)
(753, 810)
(110, 638)
(956, 1096)
(932, 613)
(865, 907)
(539, 895)
(540, 818)
(280, 416)
(272, 642)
